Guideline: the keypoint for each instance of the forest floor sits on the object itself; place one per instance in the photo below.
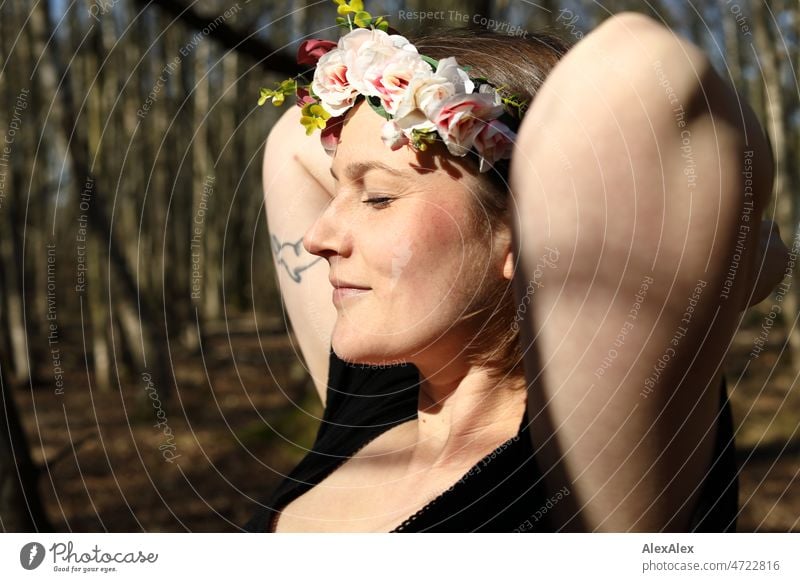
(228, 436)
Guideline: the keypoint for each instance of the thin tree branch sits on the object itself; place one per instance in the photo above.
(263, 53)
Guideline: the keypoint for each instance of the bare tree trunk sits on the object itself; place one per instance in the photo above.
(201, 218)
(766, 52)
(225, 157)
(20, 507)
(97, 315)
(97, 311)
(11, 296)
(210, 189)
(10, 246)
(792, 104)
(732, 46)
(98, 220)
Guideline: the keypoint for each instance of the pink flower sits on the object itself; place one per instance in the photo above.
(356, 40)
(390, 80)
(303, 97)
(372, 63)
(494, 142)
(461, 117)
(331, 84)
(393, 136)
(366, 54)
(311, 51)
(427, 89)
(331, 134)
(353, 40)
(448, 68)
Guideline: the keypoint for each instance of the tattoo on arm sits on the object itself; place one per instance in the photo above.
(292, 256)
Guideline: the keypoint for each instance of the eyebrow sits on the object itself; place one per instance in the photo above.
(358, 169)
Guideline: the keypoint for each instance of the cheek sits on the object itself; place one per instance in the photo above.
(430, 253)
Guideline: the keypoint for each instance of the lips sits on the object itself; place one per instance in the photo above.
(345, 290)
(341, 294)
(342, 284)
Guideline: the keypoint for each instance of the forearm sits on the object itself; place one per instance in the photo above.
(296, 192)
(624, 168)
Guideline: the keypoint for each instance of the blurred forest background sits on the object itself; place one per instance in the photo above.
(149, 381)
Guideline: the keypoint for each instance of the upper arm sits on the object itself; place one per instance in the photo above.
(629, 164)
(296, 191)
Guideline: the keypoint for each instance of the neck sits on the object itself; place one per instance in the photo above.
(462, 411)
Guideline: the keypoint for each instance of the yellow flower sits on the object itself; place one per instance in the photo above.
(346, 7)
(382, 24)
(313, 117)
(420, 139)
(361, 18)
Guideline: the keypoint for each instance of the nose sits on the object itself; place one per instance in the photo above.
(326, 237)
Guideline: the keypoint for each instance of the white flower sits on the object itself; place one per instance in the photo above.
(390, 80)
(337, 83)
(366, 53)
(393, 136)
(494, 142)
(422, 87)
(373, 63)
(427, 89)
(331, 85)
(459, 118)
(355, 39)
(489, 90)
(449, 69)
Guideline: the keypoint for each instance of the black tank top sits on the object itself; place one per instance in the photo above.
(503, 492)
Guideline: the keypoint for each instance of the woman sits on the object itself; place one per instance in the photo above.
(566, 329)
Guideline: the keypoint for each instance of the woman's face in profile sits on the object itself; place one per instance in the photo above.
(400, 228)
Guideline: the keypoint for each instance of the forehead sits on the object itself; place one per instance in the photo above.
(361, 148)
(360, 141)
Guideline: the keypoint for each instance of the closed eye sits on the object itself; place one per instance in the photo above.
(378, 202)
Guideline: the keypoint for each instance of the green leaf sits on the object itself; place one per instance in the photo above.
(362, 19)
(432, 62)
(377, 107)
(382, 24)
(346, 24)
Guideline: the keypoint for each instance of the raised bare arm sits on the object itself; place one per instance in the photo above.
(629, 166)
(297, 187)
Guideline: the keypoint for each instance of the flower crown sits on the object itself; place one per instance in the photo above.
(417, 95)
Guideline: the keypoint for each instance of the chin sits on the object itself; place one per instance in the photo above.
(360, 352)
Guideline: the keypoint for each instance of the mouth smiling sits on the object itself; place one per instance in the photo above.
(343, 290)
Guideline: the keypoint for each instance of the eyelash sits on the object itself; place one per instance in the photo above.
(379, 202)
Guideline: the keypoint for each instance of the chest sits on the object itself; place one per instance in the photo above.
(375, 490)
